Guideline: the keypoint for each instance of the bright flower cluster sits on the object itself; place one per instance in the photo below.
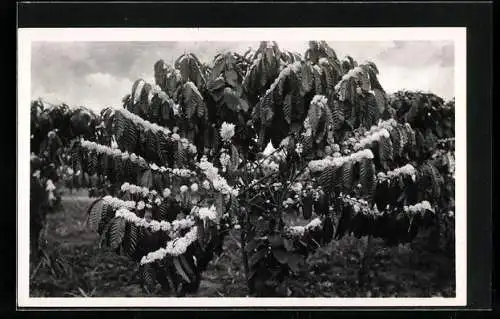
(205, 213)
(219, 183)
(93, 146)
(155, 225)
(155, 128)
(408, 169)
(227, 131)
(174, 247)
(134, 189)
(117, 203)
(320, 100)
(361, 205)
(329, 161)
(300, 230)
(366, 141)
(418, 208)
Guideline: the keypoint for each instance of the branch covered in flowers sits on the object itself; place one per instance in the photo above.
(408, 169)
(154, 225)
(330, 161)
(155, 128)
(174, 247)
(299, 231)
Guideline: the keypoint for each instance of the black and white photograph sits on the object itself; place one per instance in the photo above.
(306, 166)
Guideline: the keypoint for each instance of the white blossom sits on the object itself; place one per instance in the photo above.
(50, 186)
(227, 131)
(194, 187)
(206, 184)
(140, 205)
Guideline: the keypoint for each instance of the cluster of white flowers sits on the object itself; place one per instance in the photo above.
(364, 142)
(444, 140)
(408, 169)
(387, 124)
(320, 100)
(155, 225)
(106, 150)
(134, 189)
(297, 187)
(360, 205)
(205, 213)
(329, 161)
(36, 173)
(323, 61)
(206, 184)
(194, 187)
(300, 230)
(269, 166)
(219, 183)
(174, 247)
(117, 203)
(226, 131)
(224, 160)
(419, 207)
(155, 128)
(181, 172)
(288, 202)
(50, 186)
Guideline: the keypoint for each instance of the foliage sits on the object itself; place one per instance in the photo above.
(185, 160)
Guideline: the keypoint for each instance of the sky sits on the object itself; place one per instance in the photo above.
(100, 74)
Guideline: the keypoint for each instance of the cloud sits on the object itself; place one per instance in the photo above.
(99, 74)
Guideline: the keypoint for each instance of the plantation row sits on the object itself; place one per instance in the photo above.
(183, 162)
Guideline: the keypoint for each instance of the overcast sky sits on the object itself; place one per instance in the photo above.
(99, 74)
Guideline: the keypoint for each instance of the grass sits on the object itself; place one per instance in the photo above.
(74, 265)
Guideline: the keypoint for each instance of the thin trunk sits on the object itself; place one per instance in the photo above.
(244, 253)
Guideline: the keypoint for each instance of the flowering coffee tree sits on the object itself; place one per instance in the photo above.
(185, 161)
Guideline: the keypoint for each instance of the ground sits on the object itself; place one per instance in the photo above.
(76, 266)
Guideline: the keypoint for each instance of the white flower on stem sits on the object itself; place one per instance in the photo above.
(224, 159)
(37, 173)
(194, 187)
(50, 186)
(126, 187)
(297, 187)
(227, 131)
(183, 188)
(206, 184)
(141, 205)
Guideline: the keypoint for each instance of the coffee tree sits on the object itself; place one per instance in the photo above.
(294, 151)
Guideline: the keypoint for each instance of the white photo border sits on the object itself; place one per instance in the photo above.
(28, 35)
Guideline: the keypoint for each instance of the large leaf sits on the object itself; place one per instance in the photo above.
(131, 238)
(327, 178)
(116, 232)
(367, 177)
(95, 213)
(180, 270)
(347, 176)
(149, 277)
